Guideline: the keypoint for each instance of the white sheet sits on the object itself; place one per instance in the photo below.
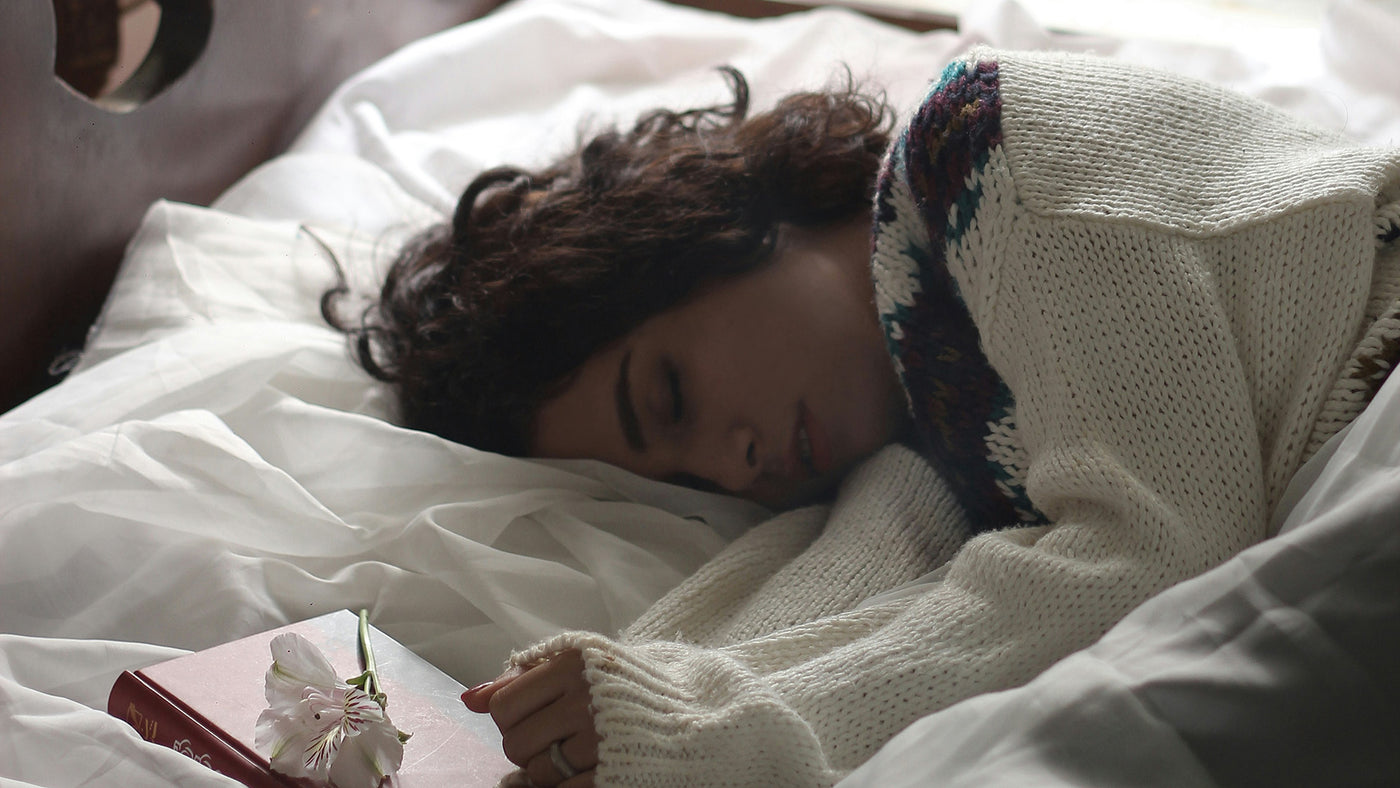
(217, 466)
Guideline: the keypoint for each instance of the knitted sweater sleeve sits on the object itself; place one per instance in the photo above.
(1162, 280)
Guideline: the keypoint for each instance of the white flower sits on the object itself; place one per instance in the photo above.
(320, 727)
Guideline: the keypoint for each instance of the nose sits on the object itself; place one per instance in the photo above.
(732, 459)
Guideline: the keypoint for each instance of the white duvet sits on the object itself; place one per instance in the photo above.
(217, 466)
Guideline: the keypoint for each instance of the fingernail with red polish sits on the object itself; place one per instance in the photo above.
(474, 690)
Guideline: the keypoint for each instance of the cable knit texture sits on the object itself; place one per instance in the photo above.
(1122, 302)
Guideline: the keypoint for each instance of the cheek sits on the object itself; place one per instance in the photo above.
(863, 389)
(576, 422)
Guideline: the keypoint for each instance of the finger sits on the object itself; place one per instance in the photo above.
(478, 698)
(536, 688)
(542, 770)
(583, 780)
(566, 719)
(516, 779)
(581, 750)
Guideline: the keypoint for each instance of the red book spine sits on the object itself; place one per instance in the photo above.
(166, 721)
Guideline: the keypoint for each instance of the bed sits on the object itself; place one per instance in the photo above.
(214, 464)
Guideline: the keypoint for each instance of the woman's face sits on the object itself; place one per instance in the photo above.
(769, 385)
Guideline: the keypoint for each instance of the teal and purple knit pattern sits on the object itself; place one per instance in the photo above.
(955, 396)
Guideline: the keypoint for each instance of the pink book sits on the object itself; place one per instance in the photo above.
(206, 705)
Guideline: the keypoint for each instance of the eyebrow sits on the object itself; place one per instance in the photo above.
(631, 427)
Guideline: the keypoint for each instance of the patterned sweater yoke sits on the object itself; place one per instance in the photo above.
(963, 411)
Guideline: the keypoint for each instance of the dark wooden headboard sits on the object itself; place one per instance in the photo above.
(77, 176)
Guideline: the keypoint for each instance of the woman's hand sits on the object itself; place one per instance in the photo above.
(540, 707)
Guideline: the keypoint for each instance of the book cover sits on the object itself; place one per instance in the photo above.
(206, 706)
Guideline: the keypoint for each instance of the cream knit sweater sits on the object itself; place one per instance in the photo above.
(1176, 295)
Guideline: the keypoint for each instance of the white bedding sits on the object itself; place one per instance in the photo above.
(217, 466)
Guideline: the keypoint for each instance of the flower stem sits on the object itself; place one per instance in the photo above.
(371, 685)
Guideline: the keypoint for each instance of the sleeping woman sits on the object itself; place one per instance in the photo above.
(1105, 313)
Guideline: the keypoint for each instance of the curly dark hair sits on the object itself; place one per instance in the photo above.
(482, 320)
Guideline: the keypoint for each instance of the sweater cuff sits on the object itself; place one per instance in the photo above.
(674, 714)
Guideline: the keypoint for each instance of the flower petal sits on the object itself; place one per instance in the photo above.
(296, 665)
(360, 711)
(367, 758)
(282, 739)
(321, 752)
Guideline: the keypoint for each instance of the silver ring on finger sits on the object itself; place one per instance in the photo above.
(556, 757)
